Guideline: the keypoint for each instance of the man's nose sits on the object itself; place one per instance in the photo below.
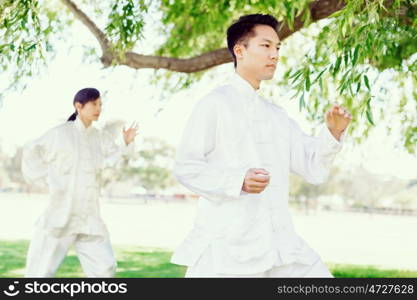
(275, 55)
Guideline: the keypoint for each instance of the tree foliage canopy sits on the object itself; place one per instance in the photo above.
(361, 53)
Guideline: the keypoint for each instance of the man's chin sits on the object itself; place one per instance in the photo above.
(267, 76)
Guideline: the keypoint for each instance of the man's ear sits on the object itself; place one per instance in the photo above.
(237, 50)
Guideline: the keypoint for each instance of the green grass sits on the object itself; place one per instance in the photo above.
(346, 271)
(131, 262)
(152, 262)
(12, 258)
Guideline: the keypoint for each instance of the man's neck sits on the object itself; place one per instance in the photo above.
(255, 83)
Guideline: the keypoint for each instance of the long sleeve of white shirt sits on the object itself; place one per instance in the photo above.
(36, 157)
(192, 167)
(311, 157)
(113, 152)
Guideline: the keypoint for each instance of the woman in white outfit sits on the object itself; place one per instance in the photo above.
(68, 157)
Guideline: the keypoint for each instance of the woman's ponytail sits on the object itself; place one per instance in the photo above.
(72, 117)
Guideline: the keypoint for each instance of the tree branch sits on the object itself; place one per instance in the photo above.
(80, 15)
(319, 9)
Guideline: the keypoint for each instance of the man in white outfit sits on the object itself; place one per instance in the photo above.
(236, 153)
(68, 157)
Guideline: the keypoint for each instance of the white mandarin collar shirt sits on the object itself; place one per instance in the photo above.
(67, 158)
(231, 130)
(243, 86)
(85, 217)
(81, 127)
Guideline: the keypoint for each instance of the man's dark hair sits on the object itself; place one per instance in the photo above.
(243, 28)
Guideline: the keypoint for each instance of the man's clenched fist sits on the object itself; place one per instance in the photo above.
(255, 181)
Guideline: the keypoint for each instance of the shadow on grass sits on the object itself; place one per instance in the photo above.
(140, 262)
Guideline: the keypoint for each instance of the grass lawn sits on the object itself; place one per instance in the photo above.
(152, 262)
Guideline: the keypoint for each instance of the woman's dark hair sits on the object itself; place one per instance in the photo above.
(83, 96)
(243, 28)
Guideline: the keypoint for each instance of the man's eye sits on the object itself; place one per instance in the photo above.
(266, 45)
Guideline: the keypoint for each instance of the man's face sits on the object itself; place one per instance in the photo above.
(259, 55)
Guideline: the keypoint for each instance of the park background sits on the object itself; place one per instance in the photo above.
(362, 221)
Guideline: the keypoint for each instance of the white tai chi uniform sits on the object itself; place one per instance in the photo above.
(231, 130)
(69, 157)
